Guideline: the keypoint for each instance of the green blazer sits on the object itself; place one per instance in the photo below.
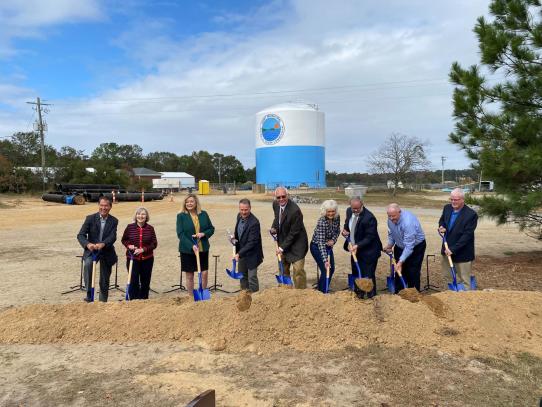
(185, 230)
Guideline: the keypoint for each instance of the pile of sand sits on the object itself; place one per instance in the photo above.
(482, 322)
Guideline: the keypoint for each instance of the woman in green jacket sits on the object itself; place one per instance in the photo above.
(193, 223)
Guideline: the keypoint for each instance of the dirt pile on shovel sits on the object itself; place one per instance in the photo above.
(244, 300)
(489, 323)
(364, 284)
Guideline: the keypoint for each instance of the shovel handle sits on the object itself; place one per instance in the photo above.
(449, 257)
(233, 252)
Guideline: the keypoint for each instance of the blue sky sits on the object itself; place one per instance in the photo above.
(186, 75)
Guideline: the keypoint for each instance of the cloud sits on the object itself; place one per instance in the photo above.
(374, 68)
(29, 18)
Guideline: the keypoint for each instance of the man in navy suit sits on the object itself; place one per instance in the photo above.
(361, 226)
(458, 222)
(98, 235)
(248, 245)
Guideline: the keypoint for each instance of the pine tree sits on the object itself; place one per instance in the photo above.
(499, 120)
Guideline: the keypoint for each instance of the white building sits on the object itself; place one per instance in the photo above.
(174, 180)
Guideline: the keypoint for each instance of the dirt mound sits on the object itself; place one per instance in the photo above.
(493, 322)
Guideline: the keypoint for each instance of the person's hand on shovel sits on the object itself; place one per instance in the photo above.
(279, 251)
(353, 248)
(399, 267)
(138, 251)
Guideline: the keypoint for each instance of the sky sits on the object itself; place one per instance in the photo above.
(184, 75)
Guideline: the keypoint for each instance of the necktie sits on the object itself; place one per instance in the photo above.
(353, 227)
(281, 215)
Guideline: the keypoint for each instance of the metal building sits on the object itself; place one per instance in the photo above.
(290, 146)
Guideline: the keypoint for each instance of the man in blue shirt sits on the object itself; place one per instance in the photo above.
(407, 240)
(458, 222)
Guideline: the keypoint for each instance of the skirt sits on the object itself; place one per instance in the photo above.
(189, 264)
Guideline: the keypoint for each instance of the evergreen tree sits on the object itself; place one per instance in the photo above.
(499, 125)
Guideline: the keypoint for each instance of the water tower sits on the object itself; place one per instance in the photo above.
(290, 146)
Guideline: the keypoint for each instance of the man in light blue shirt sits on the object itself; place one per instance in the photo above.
(407, 240)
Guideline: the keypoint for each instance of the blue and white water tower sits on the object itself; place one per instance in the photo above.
(290, 146)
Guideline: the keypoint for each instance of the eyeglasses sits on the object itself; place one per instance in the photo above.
(281, 197)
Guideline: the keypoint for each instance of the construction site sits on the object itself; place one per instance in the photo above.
(290, 347)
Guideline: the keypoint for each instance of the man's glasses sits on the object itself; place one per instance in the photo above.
(281, 197)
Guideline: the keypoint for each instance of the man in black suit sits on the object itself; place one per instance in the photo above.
(458, 222)
(361, 226)
(248, 245)
(291, 235)
(97, 235)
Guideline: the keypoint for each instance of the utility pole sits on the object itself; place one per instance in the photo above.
(442, 158)
(42, 138)
(219, 171)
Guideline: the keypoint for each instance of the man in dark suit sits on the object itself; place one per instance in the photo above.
(458, 222)
(361, 226)
(97, 235)
(291, 235)
(248, 245)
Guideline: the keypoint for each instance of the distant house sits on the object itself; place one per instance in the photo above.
(141, 173)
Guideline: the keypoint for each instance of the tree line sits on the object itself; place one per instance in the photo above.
(112, 164)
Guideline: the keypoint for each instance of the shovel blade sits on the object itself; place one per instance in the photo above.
(202, 294)
(127, 296)
(457, 287)
(351, 279)
(285, 280)
(234, 275)
(326, 287)
(473, 283)
(403, 282)
(390, 283)
(91, 295)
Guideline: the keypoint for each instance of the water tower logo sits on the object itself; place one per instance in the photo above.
(271, 129)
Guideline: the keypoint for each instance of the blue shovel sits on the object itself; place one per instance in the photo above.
(328, 278)
(454, 285)
(351, 278)
(281, 278)
(390, 280)
(200, 293)
(95, 255)
(232, 273)
(127, 297)
(405, 285)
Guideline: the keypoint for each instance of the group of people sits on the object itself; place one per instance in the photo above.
(406, 243)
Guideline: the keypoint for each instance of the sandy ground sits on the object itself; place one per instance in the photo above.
(65, 353)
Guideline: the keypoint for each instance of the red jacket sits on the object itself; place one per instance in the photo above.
(141, 237)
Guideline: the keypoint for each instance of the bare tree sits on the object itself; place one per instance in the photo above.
(399, 156)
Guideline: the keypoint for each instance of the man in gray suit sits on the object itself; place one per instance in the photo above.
(97, 236)
(248, 245)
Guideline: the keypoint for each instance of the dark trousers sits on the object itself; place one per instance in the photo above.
(368, 270)
(315, 251)
(105, 274)
(140, 281)
(411, 267)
